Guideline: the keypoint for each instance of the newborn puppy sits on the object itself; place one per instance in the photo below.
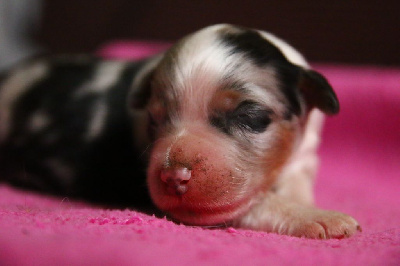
(227, 121)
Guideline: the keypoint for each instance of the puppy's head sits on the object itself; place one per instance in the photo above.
(225, 108)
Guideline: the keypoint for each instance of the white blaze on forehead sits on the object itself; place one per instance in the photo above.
(197, 70)
(201, 57)
(15, 86)
(106, 75)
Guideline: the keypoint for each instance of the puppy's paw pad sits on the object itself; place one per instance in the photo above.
(321, 224)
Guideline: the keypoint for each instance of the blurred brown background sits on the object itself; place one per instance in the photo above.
(356, 32)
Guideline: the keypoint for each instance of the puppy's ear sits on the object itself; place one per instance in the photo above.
(140, 90)
(317, 92)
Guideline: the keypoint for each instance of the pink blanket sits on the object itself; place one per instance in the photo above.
(359, 175)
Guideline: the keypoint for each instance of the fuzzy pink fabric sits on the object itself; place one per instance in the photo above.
(359, 175)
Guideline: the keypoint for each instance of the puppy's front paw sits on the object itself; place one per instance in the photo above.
(314, 223)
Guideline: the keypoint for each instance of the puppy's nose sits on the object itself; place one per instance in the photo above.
(176, 179)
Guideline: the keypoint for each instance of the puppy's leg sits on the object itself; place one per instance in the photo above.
(280, 215)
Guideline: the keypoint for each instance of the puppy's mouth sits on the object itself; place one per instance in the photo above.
(206, 215)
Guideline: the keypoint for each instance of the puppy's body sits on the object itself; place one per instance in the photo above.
(64, 129)
(232, 117)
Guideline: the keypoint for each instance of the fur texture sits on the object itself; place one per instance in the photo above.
(228, 117)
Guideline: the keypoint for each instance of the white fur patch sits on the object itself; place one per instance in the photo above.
(105, 76)
(97, 121)
(291, 54)
(198, 70)
(19, 82)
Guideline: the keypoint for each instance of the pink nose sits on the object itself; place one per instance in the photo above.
(176, 179)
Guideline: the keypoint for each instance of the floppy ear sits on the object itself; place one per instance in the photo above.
(140, 90)
(317, 92)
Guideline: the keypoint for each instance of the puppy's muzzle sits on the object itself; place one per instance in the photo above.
(176, 179)
(194, 178)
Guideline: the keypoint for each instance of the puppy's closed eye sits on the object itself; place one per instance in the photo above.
(251, 116)
(248, 116)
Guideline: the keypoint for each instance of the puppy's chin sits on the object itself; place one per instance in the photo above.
(201, 210)
(208, 215)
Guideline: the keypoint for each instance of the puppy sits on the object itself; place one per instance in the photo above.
(227, 122)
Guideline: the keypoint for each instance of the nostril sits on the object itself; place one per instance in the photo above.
(179, 175)
(176, 179)
(183, 175)
(184, 182)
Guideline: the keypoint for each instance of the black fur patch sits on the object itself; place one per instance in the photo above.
(251, 43)
(288, 76)
(263, 53)
(318, 92)
(107, 169)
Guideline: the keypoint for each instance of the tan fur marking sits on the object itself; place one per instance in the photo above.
(278, 155)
